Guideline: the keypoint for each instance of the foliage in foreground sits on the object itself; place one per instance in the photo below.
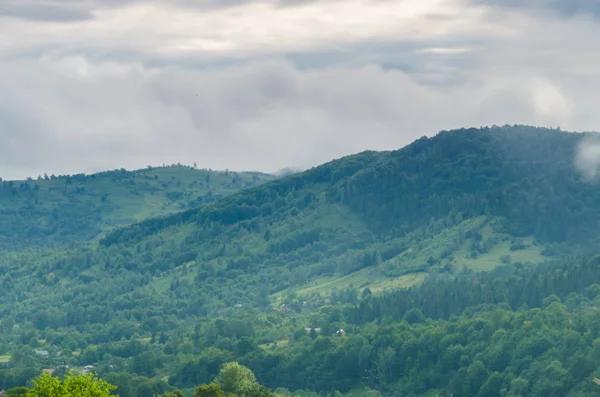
(234, 380)
(72, 386)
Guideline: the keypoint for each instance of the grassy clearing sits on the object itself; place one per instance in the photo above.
(388, 284)
(4, 358)
(450, 247)
(371, 278)
(493, 258)
(279, 343)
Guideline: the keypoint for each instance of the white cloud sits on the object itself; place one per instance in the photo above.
(444, 50)
(251, 28)
(587, 159)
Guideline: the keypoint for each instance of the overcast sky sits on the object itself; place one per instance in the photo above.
(88, 85)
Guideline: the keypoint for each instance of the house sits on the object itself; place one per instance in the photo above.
(317, 330)
(341, 332)
(87, 369)
(49, 371)
(43, 353)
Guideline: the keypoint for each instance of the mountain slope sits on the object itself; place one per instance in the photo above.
(67, 209)
(522, 173)
(472, 198)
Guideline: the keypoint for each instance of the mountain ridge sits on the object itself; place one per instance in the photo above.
(76, 208)
(356, 165)
(329, 221)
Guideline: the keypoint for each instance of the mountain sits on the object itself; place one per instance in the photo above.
(50, 211)
(468, 198)
(453, 264)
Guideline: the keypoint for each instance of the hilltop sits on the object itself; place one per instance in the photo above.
(57, 210)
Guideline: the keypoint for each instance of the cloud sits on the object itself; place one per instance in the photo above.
(69, 115)
(90, 85)
(63, 11)
(587, 159)
(565, 8)
(171, 31)
(82, 10)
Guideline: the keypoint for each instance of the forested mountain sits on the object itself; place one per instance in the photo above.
(468, 197)
(54, 210)
(372, 271)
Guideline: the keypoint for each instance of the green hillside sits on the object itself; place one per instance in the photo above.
(468, 198)
(74, 208)
(470, 230)
(458, 199)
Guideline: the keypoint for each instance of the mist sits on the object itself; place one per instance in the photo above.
(587, 159)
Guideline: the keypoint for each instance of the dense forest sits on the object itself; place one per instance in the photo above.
(57, 210)
(463, 264)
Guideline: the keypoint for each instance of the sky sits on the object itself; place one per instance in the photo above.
(90, 85)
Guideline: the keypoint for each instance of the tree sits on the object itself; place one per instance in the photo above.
(237, 379)
(175, 393)
(162, 338)
(17, 392)
(492, 386)
(260, 391)
(144, 364)
(212, 390)
(476, 376)
(73, 386)
(414, 316)
(384, 364)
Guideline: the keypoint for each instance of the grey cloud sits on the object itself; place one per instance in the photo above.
(70, 10)
(89, 105)
(56, 11)
(73, 116)
(565, 8)
(200, 4)
(571, 7)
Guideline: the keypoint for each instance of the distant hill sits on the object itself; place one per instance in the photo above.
(288, 171)
(50, 211)
(468, 198)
